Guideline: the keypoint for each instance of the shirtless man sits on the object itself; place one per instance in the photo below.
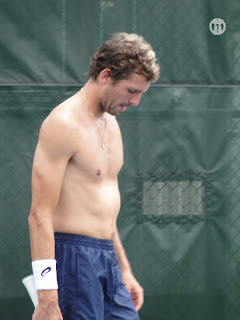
(75, 194)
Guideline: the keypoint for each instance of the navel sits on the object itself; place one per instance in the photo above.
(99, 172)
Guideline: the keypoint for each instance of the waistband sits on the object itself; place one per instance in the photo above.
(75, 239)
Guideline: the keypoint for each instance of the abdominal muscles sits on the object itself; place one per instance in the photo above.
(88, 208)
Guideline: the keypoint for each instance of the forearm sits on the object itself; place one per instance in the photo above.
(129, 280)
(42, 247)
(41, 237)
(121, 254)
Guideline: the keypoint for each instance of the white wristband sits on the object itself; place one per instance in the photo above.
(45, 274)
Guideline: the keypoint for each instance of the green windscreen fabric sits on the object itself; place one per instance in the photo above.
(180, 183)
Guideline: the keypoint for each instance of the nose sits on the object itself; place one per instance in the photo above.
(134, 101)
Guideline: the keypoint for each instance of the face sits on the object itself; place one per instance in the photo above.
(119, 96)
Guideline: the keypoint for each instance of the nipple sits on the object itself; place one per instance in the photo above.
(99, 172)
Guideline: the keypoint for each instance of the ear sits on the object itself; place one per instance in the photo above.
(105, 75)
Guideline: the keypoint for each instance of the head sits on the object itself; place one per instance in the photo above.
(117, 96)
(123, 55)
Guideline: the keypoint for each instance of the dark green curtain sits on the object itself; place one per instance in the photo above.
(180, 185)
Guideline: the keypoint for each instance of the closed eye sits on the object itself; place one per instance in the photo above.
(134, 91)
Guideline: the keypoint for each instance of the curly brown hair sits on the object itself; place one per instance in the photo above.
(125, 53)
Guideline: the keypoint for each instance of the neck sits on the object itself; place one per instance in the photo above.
(97, 115)
(92, 96)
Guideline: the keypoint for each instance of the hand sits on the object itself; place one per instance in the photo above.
(50, 311)
(48, 307)
(135, 289)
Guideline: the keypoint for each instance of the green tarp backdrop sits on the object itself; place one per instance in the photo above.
(180, 185)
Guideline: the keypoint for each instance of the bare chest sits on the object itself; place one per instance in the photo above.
(99, 157)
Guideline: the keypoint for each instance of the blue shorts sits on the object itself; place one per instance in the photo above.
(89, 280)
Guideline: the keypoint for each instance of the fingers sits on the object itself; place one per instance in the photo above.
(138, 298)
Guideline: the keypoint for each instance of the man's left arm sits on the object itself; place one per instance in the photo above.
(128, 278)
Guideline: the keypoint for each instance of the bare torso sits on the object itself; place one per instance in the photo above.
(89, 201)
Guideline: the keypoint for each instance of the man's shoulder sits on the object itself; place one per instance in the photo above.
(63, 116)
(60, 126)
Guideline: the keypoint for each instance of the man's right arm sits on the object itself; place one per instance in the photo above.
(54, 149)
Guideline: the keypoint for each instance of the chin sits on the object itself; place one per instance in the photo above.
(114, 113)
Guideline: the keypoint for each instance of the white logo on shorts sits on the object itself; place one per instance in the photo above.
(217, 26)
